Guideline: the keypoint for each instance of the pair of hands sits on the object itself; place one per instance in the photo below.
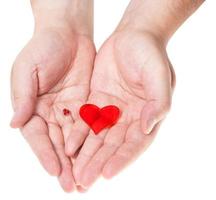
(60, 69)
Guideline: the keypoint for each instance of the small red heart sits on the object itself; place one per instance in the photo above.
(97, 118)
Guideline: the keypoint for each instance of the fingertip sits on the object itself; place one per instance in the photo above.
(85, 183)
(13, 124)
(84, 180)
(107, 173)
(147, 130)
(81, 189)
(68, 189)
(113, 167)
(16, 124)
(87, 180)
(66, 178)
(147, 125)
(73, 144)
(67, 186)
(20, 118)
(75, 138)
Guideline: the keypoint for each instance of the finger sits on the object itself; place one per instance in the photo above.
(173, 76)
(135, 143)
(158, 90)
(24, 90)
(36, 134)
(73, 128)
(77, 134)
(152, 113)
(66, 177)
(65, 121)
(81, 189)
(112, 141)
(90, 147)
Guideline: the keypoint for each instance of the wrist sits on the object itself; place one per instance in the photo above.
(161, 18)
(147, 29)
(139, 17)
(129, 24)
(72, 15)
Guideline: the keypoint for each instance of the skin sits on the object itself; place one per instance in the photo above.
(142, 92)
(131, 70)
(51, 73)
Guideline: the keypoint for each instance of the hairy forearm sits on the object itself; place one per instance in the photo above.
(161, 17)
(76, 14)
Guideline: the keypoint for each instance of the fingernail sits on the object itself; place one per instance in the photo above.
(150, 125)
(13, 123)
(81, 189)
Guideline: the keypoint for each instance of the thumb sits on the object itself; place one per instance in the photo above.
(158, 89)
(152, 113)
(24, 87)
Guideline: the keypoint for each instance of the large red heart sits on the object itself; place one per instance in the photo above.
(99, 118)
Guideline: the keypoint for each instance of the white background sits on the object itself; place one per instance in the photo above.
(181, 163)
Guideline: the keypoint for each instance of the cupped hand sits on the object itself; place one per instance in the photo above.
(132, 71)
(51, 73)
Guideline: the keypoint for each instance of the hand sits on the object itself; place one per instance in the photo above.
(132, 71)
(51, 73)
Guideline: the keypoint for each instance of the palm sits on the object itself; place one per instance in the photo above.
(63, 66)
(124, 75)
(71, 89)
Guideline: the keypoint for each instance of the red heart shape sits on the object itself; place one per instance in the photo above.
(97, 118)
